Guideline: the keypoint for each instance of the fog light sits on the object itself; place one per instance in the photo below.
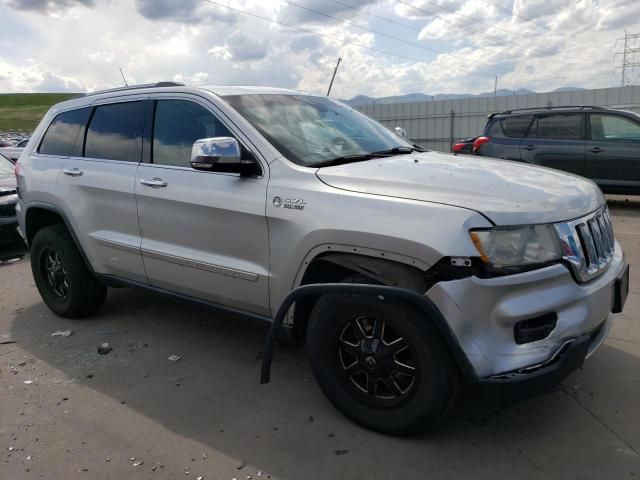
(534, 329)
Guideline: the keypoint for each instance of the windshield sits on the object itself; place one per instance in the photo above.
(310, 130)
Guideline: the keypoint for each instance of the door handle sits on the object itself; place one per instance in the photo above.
(596, 150)
(530, 147)
(73, 172)
(156, 182)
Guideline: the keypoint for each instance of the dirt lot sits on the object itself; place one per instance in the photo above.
(134, 414)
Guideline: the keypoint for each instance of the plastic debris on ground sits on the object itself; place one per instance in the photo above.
(174, 358)
(62, 333)
(104, 348)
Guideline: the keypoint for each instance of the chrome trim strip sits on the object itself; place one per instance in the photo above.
(125, 247)
(208, 267)
(588, 243)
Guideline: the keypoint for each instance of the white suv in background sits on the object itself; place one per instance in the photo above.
(412, 273)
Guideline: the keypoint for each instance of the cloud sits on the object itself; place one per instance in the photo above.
(49, 6)
(241, 47)
(184, 11)
(293, 14)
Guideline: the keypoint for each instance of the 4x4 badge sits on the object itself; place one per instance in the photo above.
(287, 202)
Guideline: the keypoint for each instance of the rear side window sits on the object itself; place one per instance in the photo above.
(63, 133)
(613, 127)
(177, 125)
(516, 126)
(115, 132)
(562, 127)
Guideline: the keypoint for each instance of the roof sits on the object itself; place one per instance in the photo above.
(223, 90)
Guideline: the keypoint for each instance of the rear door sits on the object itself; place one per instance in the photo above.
(204, 234)
(96, 188)
(613, 152)
(557, 141)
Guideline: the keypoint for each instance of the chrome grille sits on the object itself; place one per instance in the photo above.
(588, 243)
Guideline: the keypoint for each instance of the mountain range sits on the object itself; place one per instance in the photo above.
(423, 97)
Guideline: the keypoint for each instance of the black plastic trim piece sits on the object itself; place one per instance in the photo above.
(507, 388)
(410, 296)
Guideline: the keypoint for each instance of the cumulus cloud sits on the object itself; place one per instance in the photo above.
(196, 42)
(184, 11)
(49, 6)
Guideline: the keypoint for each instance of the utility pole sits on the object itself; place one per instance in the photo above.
(124, 79)
(630, 59)
(495, 87)
(335, 70)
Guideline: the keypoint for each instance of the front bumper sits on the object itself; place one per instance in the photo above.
(482, 314)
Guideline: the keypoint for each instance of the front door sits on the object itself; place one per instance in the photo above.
(204, 234)
(613, 152)
(556, 141)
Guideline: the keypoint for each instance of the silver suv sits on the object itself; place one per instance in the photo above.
(411, 273)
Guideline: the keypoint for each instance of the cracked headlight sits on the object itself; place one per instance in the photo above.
(510, 249)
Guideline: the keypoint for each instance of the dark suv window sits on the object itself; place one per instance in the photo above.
(561, 126)
(516, 126)
(63, 133)
(115, 132)
(613, 127)
(177, 125)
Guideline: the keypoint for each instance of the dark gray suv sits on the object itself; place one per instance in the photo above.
(599, 143)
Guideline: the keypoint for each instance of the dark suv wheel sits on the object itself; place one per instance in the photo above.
(381, 363)
(65, 283)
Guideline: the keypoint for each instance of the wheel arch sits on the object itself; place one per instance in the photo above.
(335, 266)
(41, 215)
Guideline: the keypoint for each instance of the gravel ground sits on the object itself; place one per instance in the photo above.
(67, 412)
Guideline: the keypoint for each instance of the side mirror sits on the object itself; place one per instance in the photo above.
(401, 132)
(221, 154)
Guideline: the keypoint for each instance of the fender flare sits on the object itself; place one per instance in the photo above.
(423, 303)
(53, 208)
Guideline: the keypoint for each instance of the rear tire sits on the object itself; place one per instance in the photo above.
(65, 283)
(410, 389)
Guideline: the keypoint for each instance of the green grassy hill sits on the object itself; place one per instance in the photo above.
(23, 111)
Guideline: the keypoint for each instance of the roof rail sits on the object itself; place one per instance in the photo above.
(559, 107)
(136, 87)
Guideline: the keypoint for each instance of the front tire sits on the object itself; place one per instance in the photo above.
(65, 283)
(381, 363)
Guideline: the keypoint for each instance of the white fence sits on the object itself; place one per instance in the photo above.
(437, 125)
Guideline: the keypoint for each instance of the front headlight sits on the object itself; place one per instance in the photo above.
(511, 248)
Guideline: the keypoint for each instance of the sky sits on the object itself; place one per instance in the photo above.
(388, 47)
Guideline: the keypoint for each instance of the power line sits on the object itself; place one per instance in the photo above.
(311, 32)
(508, 10)
(466, 27)
(473, 19)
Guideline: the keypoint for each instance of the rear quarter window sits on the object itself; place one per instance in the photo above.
(61, 138)
(516, 126)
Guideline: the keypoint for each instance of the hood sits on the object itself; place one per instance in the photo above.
(508, 193)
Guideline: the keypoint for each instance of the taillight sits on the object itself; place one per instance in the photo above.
(16, 170)
(458, 146)
(478, 142)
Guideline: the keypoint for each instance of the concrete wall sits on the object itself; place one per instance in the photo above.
(436, 125)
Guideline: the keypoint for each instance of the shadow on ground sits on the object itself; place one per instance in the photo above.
(213, 395)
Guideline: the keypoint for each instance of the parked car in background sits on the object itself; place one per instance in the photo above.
(11, 245)
(464, 146)
(12, 153)
(602, 144)
(413, 273)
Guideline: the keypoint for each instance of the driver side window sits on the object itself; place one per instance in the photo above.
(177, 125)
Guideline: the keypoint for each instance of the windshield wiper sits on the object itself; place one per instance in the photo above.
(361, 157)
(355, 157)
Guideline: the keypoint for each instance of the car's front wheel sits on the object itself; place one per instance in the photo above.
(65, 283)
(381, 363)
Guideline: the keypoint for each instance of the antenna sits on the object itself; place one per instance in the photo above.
(335, 70)
(124, 79)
